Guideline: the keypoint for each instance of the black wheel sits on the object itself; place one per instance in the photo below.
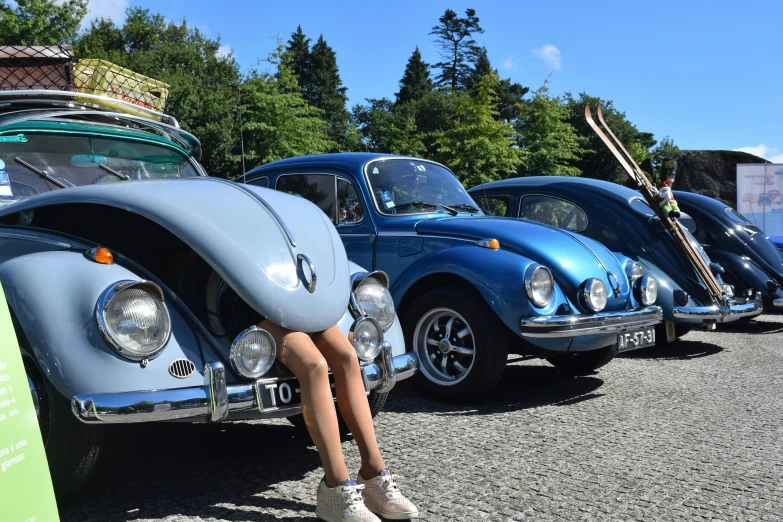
(72, 447)
(376, 400)
(461, 344)
(583, 363)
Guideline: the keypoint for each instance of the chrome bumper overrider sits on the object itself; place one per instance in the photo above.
(722, 313)
(778, 303)
(578, 325)
(215, 400)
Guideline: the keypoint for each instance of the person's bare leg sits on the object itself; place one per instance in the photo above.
(297, 351)
(351, 397)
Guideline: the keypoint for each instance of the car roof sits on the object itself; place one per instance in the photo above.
(571, 183)
(339, 160)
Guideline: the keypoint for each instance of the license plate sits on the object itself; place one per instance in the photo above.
(281, 393)
(636, 339)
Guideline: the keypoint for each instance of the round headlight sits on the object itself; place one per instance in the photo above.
(648, 290)
(367, 338)
(633, 270)
(539, 284)
(253, 352)
(594, 294)
(372, 299)
(133, 319)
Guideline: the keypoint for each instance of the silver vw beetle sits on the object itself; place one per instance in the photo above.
(136, 283)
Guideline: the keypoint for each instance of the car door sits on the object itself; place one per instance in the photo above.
(337, 196)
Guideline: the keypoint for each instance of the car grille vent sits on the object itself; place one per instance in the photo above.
(182, 368)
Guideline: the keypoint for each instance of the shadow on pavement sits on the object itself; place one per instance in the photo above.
(188, 471)
(522, 387)
(682, 349)
(753, 327)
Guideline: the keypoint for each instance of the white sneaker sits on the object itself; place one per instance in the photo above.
(382, 496)
(343, 503)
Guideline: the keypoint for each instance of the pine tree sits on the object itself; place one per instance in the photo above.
(328, 93)
(458, 49)
(481, 68)
(297, 60)
(509, 94)
(415, 82)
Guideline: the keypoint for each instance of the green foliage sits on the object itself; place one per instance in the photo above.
(664, 151)
(476, 146)
(543, 131)
(277, 121)
(415, 82)
(204, 86)
(598, 162)
(297, 58)
(458, 49)
(40, 22)
(388, 127)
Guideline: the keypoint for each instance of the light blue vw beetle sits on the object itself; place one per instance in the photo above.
(135, 282)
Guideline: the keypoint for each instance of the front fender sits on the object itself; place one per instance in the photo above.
(498, 275)
(53, 296)
(751, 275)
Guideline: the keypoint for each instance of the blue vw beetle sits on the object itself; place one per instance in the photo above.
(619, 218)
(750, 259)
(135, 282)
(471, 288)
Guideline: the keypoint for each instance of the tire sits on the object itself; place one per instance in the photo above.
(472, 368)
(660, 333)
(375, 399)
(72, 447)
(583, 363)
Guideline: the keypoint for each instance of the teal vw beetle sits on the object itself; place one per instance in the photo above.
(472, 288)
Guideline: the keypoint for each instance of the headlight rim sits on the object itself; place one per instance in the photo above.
(587, 287)
(629, 269)
(102, 304)
(360, 278)
(530, 272)
(355, 324)
(232, 353)
(641, 293)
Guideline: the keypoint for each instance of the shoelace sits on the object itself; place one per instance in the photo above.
(389, 486)
(353, 494)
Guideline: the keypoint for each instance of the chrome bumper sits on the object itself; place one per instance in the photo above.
(778, 303)
(215, 400)
(728, 311)
(578, 325)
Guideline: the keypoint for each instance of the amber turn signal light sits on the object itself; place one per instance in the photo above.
(494, 244)
(100, 255)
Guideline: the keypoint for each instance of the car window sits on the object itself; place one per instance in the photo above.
(316, 188)
(260, 182)
(739, 218)
(349, 208)
(553, 211)
(494, 205)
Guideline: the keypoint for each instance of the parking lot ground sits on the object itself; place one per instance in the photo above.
(690, 432)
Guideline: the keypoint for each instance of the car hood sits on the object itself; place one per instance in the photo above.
(572, 258)
(241, 232)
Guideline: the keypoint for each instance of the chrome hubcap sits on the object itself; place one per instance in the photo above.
(36, 399)
(445, 345)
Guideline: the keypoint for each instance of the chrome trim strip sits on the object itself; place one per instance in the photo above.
(737, 309)
(28, 237)
(214, 401)
(578, 325)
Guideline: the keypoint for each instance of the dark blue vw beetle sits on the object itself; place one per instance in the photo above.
(751, 260)
(471, 288)
(619, 218)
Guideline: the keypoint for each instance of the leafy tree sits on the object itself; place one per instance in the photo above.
(388, 127)
(509, 93)
(415, 82)
(204, 87)
(277, 121)
(40, 22)
(458, 49)
(661, 156)
(543, 131)
(597, 161)
(477, 146)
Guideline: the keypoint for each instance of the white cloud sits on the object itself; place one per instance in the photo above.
(550, 55)
(224, 50)
(112, 9)
(763, 151)
(510, 63)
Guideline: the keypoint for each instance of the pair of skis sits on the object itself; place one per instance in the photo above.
(650, 194)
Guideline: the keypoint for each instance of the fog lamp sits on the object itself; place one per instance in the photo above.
(367, 338)
(253, 352)
(594, 294)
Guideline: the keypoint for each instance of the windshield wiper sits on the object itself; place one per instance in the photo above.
(112, 171)
(41, 173)
(467, 207)
(409, 204)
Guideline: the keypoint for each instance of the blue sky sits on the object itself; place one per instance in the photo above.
(706, 73)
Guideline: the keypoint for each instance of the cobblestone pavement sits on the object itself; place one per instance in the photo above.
(692, 432)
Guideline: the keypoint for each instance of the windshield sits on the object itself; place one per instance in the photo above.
(31, 164)
(405, 186)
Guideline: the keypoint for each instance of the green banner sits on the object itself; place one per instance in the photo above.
(26, 493)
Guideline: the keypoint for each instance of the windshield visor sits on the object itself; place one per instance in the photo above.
(407, 186)
(74, 161)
